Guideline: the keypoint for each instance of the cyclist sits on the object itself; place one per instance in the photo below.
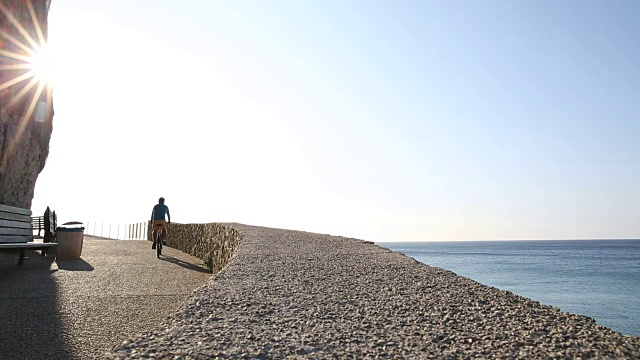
(158, 218)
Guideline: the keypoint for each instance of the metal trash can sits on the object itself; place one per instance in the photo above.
(69, 238)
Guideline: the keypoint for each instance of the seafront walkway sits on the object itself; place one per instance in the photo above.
(291, 294)
(82, 308)
(285, 294)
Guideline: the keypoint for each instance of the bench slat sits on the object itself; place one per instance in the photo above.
(14, 217)
(15, 224)
(14, 231)
(15, 239)
(28, 245)
(15, 210)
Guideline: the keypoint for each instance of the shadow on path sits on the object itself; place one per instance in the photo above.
(74, 265)
(82, 308)
(31, 323)
(185, 264)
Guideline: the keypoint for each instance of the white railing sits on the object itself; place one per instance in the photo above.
(136, 231)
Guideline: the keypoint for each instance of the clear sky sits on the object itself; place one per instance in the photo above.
(381, 120)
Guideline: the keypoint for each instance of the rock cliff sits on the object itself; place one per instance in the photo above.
(26, 110)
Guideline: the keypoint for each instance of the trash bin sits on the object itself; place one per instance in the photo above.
(69, 237)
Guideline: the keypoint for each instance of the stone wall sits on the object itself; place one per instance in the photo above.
(213, 243)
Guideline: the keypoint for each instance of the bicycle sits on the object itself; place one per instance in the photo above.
(159, 240)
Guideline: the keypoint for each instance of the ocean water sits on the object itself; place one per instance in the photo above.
(596, 278)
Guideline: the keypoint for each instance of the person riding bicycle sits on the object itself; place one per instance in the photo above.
(158, 220)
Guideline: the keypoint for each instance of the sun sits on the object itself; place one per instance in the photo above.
(23, 45)
(42, 65)
(25, 61)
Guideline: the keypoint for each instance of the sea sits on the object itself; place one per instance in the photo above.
(596, 278)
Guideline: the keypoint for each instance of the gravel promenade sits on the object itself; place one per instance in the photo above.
(82, 308)
(291, 294)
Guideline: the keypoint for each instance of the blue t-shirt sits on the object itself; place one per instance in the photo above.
(159, 212)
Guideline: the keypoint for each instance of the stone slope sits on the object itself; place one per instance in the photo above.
(302, 295)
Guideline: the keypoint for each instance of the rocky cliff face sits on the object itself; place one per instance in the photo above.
(24, 146)
(26, 110)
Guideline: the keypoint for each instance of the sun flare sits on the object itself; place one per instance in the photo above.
(25, 61)
(42, 65)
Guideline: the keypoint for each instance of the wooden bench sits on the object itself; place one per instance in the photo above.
(16, 232)
(46, 225)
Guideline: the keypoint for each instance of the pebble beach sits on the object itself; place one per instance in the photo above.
(292, 294)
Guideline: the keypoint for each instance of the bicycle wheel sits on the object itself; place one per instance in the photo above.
(159, 244)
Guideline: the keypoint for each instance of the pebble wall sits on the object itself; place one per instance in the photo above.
(213, 243)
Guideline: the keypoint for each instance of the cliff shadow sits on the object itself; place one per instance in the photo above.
(32, 327)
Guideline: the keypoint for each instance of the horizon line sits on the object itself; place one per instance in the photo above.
(493, 240)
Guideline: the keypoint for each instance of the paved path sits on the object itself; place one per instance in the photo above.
(82, 308)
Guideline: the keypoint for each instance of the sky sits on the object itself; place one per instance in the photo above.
(380, 120)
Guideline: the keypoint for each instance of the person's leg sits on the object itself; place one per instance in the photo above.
(153, 234)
